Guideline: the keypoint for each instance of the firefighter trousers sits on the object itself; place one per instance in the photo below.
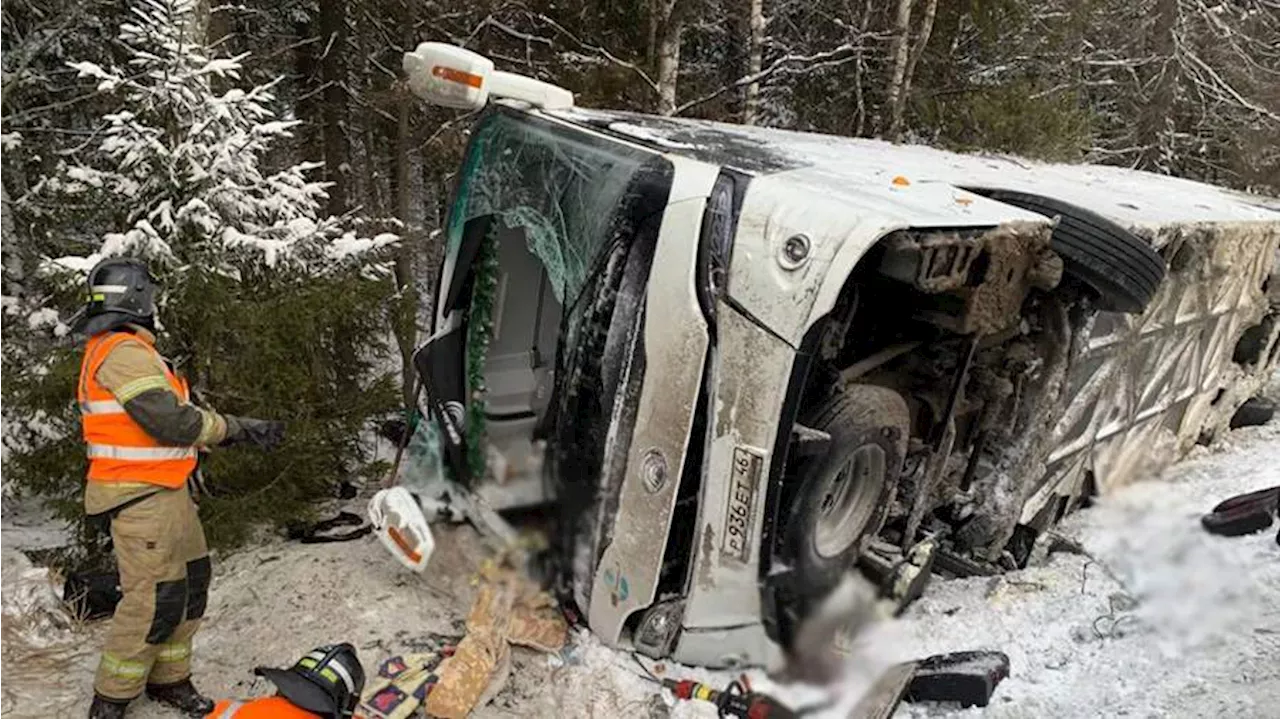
(164, 578)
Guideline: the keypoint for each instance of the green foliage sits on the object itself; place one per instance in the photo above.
(282, 345)
(1015, 117)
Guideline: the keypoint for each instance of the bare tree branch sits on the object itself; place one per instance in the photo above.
(836, 56)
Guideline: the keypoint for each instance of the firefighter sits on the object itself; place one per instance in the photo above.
(325, 684)
(143, 434)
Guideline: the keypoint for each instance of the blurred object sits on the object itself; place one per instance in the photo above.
(499, 468)
(394, 430)
(815, 656)
(441, 509)
(969, 678)
(397, 520)
(508, 609)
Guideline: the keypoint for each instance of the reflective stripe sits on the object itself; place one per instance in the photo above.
(146, 384)
(174, 652)
(107, 451)
(346, 676)
(312, 661)
(231, 710)
(123, 668)
(109, 288)
(102, 406)
(208, 427)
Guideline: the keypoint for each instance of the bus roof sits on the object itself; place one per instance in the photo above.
(851, 166)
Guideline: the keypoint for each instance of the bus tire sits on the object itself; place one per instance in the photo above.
(1119, 266)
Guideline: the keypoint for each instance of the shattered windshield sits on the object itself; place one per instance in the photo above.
(563, 188)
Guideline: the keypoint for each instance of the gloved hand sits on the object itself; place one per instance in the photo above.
(266, 434)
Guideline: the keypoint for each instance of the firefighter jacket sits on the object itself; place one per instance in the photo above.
(140, 427)
(276, 707)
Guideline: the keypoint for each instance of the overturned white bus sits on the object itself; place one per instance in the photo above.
(747, 361)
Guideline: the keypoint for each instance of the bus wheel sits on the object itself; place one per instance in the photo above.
(845, 494)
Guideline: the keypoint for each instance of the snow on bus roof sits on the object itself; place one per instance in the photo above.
(1130, 197)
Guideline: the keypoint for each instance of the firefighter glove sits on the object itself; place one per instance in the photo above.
(266, 434)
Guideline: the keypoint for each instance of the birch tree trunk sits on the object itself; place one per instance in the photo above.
(922, 40)
(755, 59)
(899, 52)
(670, 28)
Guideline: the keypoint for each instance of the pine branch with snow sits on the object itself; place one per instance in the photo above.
(181, 161)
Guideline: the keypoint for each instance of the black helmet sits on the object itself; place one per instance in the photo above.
(328, 681)
(121, 291)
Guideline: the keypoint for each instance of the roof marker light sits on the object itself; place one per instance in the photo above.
(451, 76)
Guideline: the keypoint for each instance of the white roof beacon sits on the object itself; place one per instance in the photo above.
(450, 76)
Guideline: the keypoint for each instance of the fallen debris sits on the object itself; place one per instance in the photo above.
(320, 532)
(508, 609)
(92, 595)
(900, 578)
(1256, 411)
(397, 519)
(1243, 514)
(882, 700)
(968, 678)
(32, 610)
(401, 685)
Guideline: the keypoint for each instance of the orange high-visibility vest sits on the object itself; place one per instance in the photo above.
(265, 708)
(120, 450)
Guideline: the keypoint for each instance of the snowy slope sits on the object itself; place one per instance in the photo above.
(1203, 640)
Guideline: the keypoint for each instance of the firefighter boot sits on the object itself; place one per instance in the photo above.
(103, 708)
(181, 696)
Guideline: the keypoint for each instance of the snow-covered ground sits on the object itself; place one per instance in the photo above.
(1163, 621)
(1202, 641)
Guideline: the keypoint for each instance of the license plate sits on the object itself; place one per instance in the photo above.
(742, 498)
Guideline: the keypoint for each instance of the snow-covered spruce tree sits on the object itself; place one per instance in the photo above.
(269, 309)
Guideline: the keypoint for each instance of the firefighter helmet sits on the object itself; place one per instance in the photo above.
(328, 681)
(121, 291)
